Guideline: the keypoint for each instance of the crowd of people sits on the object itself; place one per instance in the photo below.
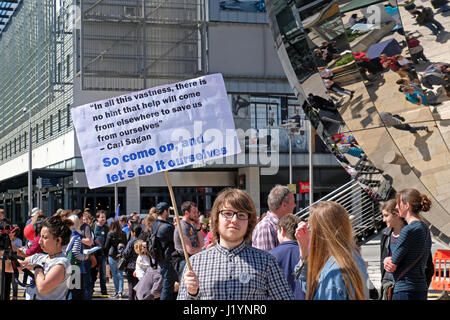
(234, 255)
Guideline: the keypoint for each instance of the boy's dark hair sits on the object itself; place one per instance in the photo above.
(99, 212)
(289, 224)
(136, 228)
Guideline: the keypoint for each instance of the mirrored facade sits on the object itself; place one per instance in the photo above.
(372, 76)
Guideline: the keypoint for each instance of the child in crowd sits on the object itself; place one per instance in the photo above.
(143, 259)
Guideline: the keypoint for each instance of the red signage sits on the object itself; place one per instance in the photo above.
(304, 187)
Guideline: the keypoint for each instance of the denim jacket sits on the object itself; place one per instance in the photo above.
(331, 282)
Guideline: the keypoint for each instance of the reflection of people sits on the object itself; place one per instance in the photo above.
(333, 86)
(354, 20)
(325, 73)
(329, 51)
(232, 269)
(391, 63)
(406, 83)
(367, 65)
(319, 58)
(416, 50)
(440, 5)
(395, 121)
(426, 18)
(434, 74)
(347, 144)
(415, 96)
(407, 65)
(320, 270)
(321, 103)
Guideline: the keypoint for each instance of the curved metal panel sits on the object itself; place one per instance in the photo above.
(402, 134)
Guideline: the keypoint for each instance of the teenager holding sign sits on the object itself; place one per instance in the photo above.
(232, 269)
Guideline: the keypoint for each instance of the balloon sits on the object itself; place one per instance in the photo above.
(28, 232)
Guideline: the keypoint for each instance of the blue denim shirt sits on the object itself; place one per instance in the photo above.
(331, 282)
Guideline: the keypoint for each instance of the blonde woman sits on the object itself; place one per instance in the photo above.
(330, 268)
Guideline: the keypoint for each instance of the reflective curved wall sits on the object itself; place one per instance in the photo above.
(374, 81)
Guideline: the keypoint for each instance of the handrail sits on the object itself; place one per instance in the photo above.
(367, 218)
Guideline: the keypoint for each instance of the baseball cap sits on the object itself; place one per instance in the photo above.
(162, 206)
(34, 211)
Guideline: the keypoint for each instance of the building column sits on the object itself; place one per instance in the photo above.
(252, 185)
(133, 196)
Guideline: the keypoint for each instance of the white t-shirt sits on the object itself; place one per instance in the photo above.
(404, 61)
(142, 264)
(60, 291)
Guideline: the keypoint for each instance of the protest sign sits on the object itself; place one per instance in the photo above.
(155, 130)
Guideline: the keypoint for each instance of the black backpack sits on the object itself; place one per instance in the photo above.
(155, 248)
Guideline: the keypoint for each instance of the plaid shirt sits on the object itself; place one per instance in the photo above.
(242, 273)
(264, 236)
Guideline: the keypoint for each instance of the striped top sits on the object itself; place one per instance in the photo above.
(413, 241)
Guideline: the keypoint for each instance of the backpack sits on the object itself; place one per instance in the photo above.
(155, 248)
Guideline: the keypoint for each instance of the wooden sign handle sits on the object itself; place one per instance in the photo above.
(177, 217)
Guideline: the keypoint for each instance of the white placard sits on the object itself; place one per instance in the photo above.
(155, 130)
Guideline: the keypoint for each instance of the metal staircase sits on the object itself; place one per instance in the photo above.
(360, 197)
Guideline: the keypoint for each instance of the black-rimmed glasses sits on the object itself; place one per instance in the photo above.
(229, 214)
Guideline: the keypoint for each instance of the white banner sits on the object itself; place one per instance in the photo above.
(154, 130)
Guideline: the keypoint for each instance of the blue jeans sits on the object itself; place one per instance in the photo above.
(101, 267)
(410, 295)
(434, 26)
(169, 276)
(87, 284)
(116, 274)
(181, 269)
(339, 89)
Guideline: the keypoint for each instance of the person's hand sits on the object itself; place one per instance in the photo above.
(191, 282)
(212, 244)
(26, 266)
(90, 242)
(121, 245)
(388, 265)
(302, 236)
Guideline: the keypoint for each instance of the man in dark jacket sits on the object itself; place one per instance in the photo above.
(426, 18)
(165, 236)
(321, 103)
